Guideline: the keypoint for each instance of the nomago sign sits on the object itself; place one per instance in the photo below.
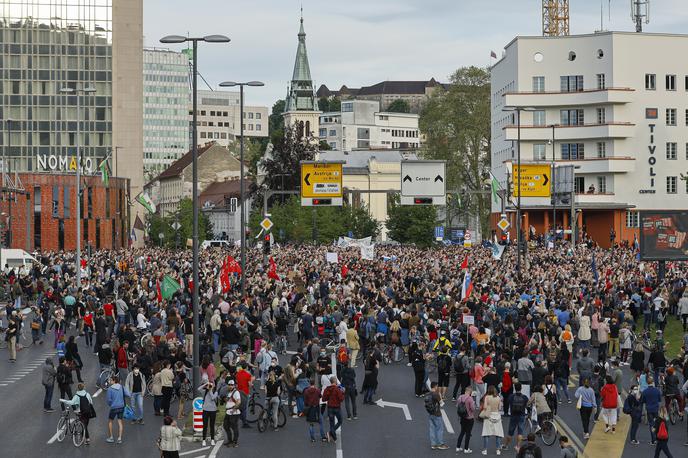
(535, 180)
(321, 183)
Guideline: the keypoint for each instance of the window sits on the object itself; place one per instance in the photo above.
(573, 83)
(572, 117)
(572, 151)
(60, 234)
(671, 116)
(258, 127)
(107, 202)
(250, 115)
(602, 185)
(686, 155)
(333, 133)
(56, 202)
(670, 82)
(579, 185)
(671, 150)
(632, 219)
(601, 116)
(66, 202)
(347, 107)
(250, 127)
(323, 132)
(671, 185)
(97, 234)
(601, 149)
(37, 217)
(601, 84)
(539, 151)
(538, 84)
(686, 117)
(258, 116)
(650, 81)
(539, 118)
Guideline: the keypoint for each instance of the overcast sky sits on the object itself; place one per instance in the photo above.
(363, 42)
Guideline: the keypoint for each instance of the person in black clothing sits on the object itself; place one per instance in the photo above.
(72, 356)
(418, 364)
(530, 448)
(101, 327)
(64, 380)
(350, 392)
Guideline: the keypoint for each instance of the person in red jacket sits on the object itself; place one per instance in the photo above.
(609, 396)
(507, 387)
(334, 397)
(123, 360)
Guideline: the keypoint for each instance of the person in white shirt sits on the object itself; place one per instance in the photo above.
(141, 321)
(231, 421)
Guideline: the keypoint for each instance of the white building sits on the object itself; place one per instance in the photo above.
(165, 95)
(361, 125)
(218, 117)
(619, 106)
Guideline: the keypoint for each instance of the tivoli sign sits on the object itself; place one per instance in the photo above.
(54, 163)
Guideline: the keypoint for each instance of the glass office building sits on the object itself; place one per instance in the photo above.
(46, 46)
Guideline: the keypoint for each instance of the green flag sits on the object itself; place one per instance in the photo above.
(105, 175)
(168, 287)
(495, 186)
(146, 201)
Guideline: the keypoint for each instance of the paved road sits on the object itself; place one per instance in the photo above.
(379, 432)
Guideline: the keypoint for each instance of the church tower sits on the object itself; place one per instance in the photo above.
(301, 106)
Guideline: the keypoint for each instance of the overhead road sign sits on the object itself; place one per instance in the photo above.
(321, 183)
(423, 183)
(535, 180)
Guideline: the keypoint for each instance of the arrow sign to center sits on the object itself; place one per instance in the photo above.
(439, 178)
(407, 178)
(546, 179)
(403, 407)
(305, 179)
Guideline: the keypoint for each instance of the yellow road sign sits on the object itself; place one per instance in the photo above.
(503, 224)
(535, 180)
(321, 179)
(266, 224)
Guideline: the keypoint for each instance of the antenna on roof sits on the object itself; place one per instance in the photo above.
(640, 13)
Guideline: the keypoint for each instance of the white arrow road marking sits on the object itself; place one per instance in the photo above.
(213, 452)
(403, 407)
(447, 424)
(340, 452)
(54, 438)
(97, 393)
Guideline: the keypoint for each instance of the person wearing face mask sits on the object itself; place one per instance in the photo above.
(633, 407)
(136, 384)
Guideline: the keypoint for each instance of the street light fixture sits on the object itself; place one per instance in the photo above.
(77, 92)
(194, 196)
(241, 174)
(554, 187)
(519, 229)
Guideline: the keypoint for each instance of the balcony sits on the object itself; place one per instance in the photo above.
(566, 133)
(566, 99)
(592, 166)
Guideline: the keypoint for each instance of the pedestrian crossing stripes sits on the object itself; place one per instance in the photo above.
(25, 369)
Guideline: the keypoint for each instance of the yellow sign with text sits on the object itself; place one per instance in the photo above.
(323, 179)
(535, 180)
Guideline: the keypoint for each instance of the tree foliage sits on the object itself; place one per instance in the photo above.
(456, 125)
(399, 106)
(294, 223)
(411, 224)
(284, 167)
(276, 120)
(184, 216)
(253, 151)
(326, 104)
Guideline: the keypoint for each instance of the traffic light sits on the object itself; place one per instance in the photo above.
(422, 201)
(266, 244)
(322, 201)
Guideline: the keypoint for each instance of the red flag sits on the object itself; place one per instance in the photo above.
(191, 285)
(157, 286)
(224, 276)
(83, 263)
(233, 265)
(464, 264)
(345, 270)
(272, 272)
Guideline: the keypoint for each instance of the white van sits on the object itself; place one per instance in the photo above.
(215, 244)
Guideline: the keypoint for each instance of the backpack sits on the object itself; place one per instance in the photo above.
(459, 367)
(430, 405)
(461, 409)
(86, 408)
(551, 399)
(627, 409)
(518, 404)
(61, 377)
(442, 363)
(342, 355)
(529, 451)
(662, 432)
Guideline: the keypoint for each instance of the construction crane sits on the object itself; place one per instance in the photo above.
(555, 18)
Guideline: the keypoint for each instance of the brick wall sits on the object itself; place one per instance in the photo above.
(23, 231)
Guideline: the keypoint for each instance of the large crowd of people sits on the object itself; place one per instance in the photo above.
(507, 343)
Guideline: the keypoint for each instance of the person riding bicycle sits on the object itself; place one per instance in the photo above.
(442, 345)
(672, 390)
(539, 402)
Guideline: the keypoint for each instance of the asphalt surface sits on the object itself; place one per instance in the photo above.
(378, 431)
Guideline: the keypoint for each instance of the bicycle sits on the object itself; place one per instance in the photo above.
(254, 408)
(103, 381)
(547, 429)
(281, 344)
(265, 418)
(70, 424)
(674, 410)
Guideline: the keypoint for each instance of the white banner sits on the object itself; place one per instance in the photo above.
(368, 252)
(332, 258)
(346, 242)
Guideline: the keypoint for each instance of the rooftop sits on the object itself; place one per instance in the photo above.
(177, 167)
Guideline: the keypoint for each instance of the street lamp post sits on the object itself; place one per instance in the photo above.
(554, 188)
(241, 174)
(77, 92)
(5, 169)
(194, 154)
